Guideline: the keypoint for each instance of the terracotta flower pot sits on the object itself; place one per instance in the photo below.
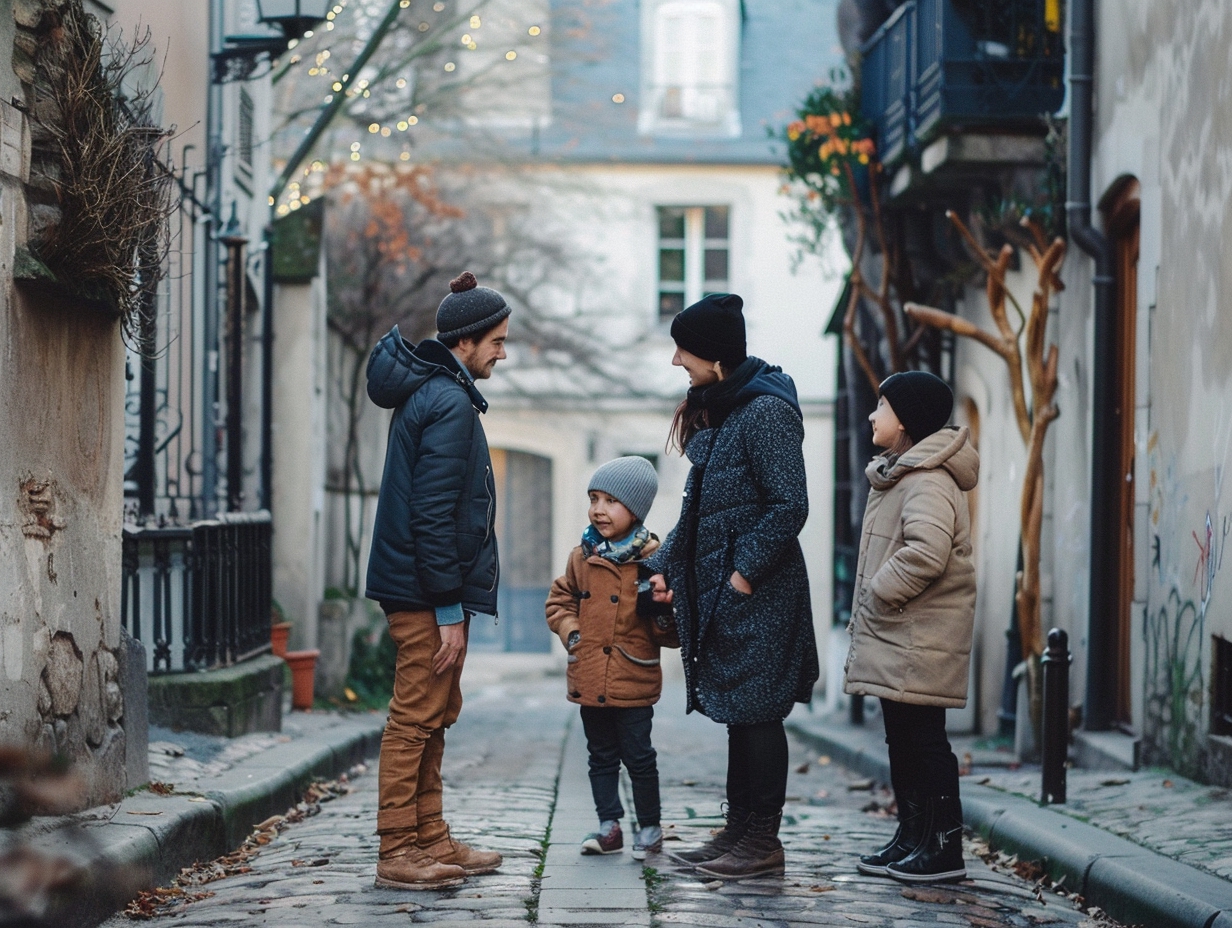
(303, 673)
(279, 633)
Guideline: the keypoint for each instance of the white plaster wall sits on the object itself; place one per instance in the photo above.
(299, 456)
(1159, 120)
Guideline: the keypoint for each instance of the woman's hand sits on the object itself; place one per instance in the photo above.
(739, 584)
(658, 589)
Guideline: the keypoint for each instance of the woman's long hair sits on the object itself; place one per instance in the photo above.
(689, 420)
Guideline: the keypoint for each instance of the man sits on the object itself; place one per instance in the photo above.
(433, 565)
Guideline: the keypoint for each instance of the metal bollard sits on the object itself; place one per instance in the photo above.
(1055, 664)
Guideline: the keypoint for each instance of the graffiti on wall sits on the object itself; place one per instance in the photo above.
(1185, 562)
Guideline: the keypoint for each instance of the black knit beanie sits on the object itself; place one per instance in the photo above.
(712, 328)
(469, 309)
(922, 401)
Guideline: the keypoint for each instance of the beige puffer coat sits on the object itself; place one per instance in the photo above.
(914, 609)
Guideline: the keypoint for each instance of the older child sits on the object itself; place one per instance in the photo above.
(603, 611)
(912, 618)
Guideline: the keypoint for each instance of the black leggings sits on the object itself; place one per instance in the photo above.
(757, 767)
(921, 762)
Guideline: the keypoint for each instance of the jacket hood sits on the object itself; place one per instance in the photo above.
(949, 449)
(397, 368)
(770, 381)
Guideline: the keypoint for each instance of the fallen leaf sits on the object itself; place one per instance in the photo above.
(1114, 781)
(350, 694)
(1167, 784)
(713, 885)
(824, 760)
(162, 789)
(140, 812)
(803, 768)
(822, 889)
(860, 786)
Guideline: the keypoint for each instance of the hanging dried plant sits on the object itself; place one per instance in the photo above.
(99, 143)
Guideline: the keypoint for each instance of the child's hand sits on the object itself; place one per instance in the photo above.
(658, 589)
(739, 584)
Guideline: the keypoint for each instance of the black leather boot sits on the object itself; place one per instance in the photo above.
(939, 858)
(722, 842)
(759, 852)
(912, 817)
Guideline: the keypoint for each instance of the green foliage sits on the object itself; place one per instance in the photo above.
(831, 155)
(371, 672)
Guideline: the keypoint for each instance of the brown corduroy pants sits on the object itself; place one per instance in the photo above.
(424, 704)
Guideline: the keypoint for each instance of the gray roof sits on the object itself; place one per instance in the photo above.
(786, 47)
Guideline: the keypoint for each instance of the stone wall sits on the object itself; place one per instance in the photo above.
(61, 484)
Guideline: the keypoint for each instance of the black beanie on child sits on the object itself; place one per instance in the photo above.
(712, 328)
(922, 401)
(469, 309)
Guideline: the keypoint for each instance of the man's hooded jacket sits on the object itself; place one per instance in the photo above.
(434, 539)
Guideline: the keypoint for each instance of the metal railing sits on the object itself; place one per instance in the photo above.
(199, 596)
(937, 64)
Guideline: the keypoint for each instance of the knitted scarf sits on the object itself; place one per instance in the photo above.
(719, 398)
(617, 550)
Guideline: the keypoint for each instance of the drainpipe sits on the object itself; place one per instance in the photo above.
(1101, 619)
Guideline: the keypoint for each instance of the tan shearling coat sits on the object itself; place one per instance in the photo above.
(616, 662)
(914, 607)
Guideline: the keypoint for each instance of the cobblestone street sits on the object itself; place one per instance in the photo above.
(502, 767)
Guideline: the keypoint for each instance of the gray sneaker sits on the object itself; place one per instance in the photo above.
(648, 840)
(607, 840)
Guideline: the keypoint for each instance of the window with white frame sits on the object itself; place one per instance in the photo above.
(694, 246)
(689, 67)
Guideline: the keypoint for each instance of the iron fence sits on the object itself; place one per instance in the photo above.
(199, 596)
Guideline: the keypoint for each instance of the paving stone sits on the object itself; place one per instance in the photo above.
(502, 792)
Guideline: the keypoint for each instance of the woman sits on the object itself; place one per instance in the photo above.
(736, 573)
(913, 615)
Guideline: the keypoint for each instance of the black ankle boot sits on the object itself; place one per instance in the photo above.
(912, 818)
(939, 858)
(759, 852)
(722, 842)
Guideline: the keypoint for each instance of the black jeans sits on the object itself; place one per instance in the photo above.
(921, 761)
(757, 767)
(622, 734)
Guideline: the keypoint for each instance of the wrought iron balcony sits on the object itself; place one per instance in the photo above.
(198, 596)
(938, 65)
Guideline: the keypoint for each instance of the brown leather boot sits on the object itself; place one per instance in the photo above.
(448, 850)
(757, 853)
(723, 841)
(416, 870)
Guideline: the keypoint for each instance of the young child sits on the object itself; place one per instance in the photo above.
(913, 614)
(603, 611)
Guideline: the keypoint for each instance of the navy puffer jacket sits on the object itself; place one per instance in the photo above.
(747, 658)
(433, 541)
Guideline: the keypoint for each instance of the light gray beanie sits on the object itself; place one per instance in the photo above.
(630, 479)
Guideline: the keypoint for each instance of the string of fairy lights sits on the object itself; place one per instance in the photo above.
(318, 65)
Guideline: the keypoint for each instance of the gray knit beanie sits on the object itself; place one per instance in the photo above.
(469, 309)
(632, 480)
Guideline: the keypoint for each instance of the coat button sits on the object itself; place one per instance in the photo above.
(576, 695)
(602, 699)
(607, 650)
(615, 598)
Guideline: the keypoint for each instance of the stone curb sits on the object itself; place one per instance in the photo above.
(1131, 883)
(151, 838)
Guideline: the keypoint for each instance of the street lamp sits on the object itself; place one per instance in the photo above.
(293, 17)
(239, 55)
